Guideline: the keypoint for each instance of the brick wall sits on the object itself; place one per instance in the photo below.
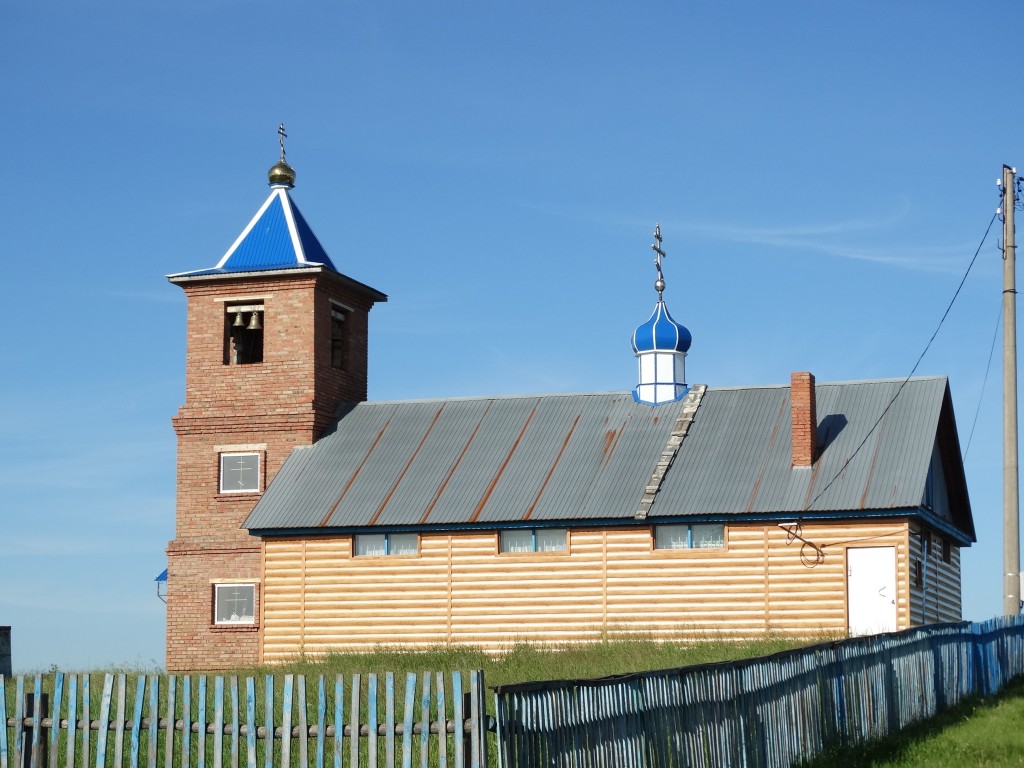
(193, 641)
(268, 408)
(804, 419)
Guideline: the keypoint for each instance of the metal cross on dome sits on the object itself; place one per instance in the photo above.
(659, 285)
(282, 136)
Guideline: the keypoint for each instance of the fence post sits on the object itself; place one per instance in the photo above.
(467, 745)
(936, 645)
(36, 755)
(6, 668)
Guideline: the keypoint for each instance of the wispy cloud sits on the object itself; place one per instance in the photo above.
(861, 238)
(839, 240)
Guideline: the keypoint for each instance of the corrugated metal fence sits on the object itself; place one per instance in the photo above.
(767, 712)
(168, 722)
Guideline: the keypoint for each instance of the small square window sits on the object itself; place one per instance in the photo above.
(696, 536)
(515, 541)
(550, 539)
(239, 473)
(371, 544)
(384, 544)
(710, 536)
(533, 540)
(672, 537)
(234, 603)
(403, 543)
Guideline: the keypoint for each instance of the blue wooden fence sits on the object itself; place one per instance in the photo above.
(769, 712)
(175, 722)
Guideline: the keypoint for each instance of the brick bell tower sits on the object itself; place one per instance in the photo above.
(277, 341)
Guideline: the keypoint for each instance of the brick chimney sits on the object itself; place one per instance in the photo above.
(804, 418)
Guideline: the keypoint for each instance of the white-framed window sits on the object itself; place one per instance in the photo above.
(240, 473)
(533, 540)
(384, 544)
(234, 604)
(694, 536)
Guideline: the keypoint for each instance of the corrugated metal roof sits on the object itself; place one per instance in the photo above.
(737, 457)
(462, 461)
(588, 457)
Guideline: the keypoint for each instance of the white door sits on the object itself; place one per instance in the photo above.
(871, 589)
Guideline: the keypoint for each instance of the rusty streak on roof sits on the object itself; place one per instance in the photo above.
(771, 443)
(551, 471)
(874, 459)
(556, 459)
(501, 470)
(412, 458)
(355, 474)
(611, 439)
(454, 466)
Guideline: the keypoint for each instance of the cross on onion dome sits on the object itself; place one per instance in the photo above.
(659, 284)
(282, 136)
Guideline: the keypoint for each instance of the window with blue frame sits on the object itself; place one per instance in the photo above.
(384, 544)
(693, 536)
(533, 540)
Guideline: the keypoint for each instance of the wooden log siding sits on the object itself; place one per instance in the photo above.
(163, 722)
(938, 599)
(760, 713)
(317, 597)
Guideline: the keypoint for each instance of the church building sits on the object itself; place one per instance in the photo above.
(311, 519)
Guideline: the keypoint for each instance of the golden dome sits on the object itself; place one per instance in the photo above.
(282, 173)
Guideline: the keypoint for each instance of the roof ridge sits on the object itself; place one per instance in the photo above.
(627, 393)
(517, 396)
(841, 383)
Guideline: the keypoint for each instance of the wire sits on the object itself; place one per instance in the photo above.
(912, 370)
(988, 367)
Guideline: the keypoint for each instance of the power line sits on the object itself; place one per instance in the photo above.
(912, 370)
(988, 367)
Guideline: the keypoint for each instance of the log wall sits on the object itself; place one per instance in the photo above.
(460, 590)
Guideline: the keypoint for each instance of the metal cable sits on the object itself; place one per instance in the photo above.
(912, 371)
(988, 367)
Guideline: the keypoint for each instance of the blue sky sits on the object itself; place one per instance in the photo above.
(822, 173)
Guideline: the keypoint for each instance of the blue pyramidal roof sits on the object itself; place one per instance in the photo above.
(278, 237)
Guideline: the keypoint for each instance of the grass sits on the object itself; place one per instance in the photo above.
(979, 733)
(525, 662)
(530, 662)
(522, 663)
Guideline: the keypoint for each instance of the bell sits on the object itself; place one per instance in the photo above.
(239, 322)
(254, 322)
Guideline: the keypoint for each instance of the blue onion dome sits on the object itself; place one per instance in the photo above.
(661, 333)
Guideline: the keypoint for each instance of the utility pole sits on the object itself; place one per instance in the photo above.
(1011, 508)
